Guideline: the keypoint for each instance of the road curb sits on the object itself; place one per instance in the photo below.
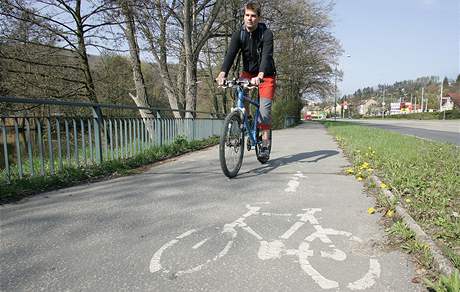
(441, 263)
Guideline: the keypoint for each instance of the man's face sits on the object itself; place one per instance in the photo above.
(251, 19)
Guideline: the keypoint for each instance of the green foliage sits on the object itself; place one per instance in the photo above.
(285, 108)
(451, 115)
(446, 283)
(401, 231)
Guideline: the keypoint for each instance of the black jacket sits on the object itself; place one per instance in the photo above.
(257, 51)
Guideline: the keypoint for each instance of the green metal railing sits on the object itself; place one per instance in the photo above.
(40, 146)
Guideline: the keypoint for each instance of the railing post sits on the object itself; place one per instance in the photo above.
(193, 129)
(97, 114)
(5, 151)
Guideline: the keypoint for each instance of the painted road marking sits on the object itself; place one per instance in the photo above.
(270, 250)
(294, 182)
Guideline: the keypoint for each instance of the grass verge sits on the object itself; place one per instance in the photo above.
(423, 175)
(20, 188)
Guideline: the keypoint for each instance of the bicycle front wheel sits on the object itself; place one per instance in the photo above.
(231, 147)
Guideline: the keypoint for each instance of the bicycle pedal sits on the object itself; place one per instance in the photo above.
(248, 144)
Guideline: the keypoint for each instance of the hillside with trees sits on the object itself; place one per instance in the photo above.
(163, 53)
(406, 91)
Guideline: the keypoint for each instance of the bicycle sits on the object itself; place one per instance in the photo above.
(221, 243)
(236, 126)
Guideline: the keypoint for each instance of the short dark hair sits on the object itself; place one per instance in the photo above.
(254, 7)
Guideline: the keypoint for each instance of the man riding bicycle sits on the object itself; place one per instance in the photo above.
(255, 41)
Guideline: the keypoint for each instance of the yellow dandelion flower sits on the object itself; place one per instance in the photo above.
(370, 210)
(383, 186)
(408, 200)
(359, 178)
(390, 213)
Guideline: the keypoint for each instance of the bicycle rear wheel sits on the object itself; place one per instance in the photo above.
(231, 147)
(263, 159)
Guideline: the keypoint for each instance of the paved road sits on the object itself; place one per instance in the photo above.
(443, 131)
(295, 224)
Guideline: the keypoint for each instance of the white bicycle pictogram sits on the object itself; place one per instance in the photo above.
(223, 241)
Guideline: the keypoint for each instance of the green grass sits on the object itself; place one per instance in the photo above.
(423, 175)
(446, 283)
(20, 188)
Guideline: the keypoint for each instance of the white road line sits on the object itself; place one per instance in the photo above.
(270, 250)
(155, 265)
(337, 255)
(304, 253)
(276, 214)
(185, 234)
(294, 183)
(251, 231)
(200, 243)
(369, 279)
(291, 230)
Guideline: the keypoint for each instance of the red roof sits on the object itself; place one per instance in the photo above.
(455, 98)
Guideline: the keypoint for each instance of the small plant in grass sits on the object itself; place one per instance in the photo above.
(401, 232)
(445, 283)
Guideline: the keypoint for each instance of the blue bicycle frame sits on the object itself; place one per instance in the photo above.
(242, 96)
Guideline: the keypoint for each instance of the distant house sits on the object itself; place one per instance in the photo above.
(330, 109)
(365, 106)
(450, 101)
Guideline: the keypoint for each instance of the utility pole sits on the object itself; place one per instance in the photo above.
(422, 99)
(335, 94)
(440, 97)
(383, 104)
(444, 111)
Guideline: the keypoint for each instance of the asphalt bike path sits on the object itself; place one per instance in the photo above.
(294, 224)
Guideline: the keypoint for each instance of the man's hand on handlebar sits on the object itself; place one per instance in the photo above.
(256, 80)
(221, 79)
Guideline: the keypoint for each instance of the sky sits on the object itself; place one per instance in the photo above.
(396, 40)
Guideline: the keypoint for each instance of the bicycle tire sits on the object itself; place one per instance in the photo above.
(258, 147)
(231, 143)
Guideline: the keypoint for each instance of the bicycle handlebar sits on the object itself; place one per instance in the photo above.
(240, 82)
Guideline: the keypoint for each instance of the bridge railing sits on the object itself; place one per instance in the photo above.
(46, 145)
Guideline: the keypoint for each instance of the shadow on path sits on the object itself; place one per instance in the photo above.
(303, 157)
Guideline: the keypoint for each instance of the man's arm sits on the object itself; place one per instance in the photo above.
(233, 49)
(267, 52)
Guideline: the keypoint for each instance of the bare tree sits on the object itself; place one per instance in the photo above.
(197, 20)
(129, 30)
(153, 20)
(73, 27)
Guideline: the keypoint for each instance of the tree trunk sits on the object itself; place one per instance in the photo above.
(83, 55)
(181, 80)
(190, 88)
(140, 99)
